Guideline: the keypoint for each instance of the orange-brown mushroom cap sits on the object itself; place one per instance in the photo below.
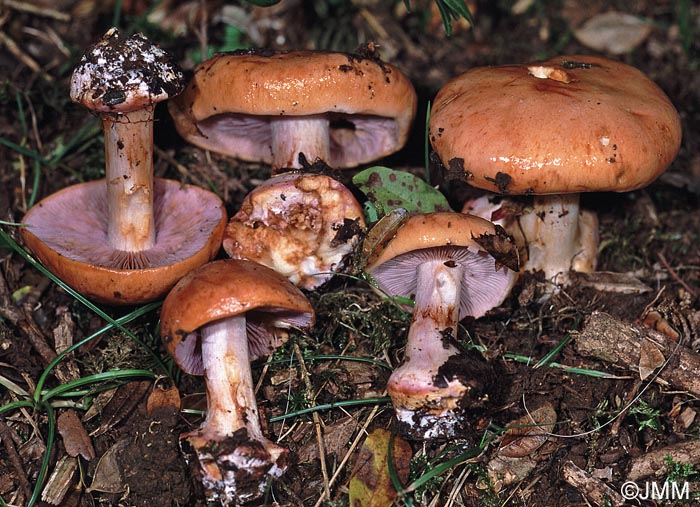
(67, 231)
(570, 124)
(394, 266)
(227, 288)
(228, 104)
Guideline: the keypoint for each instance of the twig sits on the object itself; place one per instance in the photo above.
(17, 52)
(674, 275)
(35, 9)
(360, 435)
(13, 455)
(24, 322)
(317, 422)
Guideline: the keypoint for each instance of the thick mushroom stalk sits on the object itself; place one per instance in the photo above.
(296, 135)
(423, 398)
(129, 175)
(122, 78)
(236, 461)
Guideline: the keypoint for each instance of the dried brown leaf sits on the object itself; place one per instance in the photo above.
(75, 438)
(163, 397)
(650, 358)
(370, 484)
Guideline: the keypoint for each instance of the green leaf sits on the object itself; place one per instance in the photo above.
(389, 189)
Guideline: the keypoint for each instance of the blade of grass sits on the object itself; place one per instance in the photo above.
(327, 406)
(43, 471)
(101, 313)
(568, 369)
(547, 359)
(95, 379)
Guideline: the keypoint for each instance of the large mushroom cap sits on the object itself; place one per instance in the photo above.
(67, 232)
(231, 98)
(570, 124)
(454, 237)
(121, 74)
(226, 288)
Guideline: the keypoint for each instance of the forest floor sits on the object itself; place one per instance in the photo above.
(581, 360)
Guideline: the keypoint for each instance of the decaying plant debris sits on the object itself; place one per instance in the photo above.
(626, 406)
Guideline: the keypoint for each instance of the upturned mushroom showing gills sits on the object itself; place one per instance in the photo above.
(270, 107)
(555, 129)
(305, 226)
(452, 265)
(126, 239)
(215, 321)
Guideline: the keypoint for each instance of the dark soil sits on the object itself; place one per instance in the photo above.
(602, 424)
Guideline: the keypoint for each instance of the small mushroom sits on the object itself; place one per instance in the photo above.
(125, 239)
(304, 226)
(215, 321)
(270, 107)
(451, 265)
(555, 129)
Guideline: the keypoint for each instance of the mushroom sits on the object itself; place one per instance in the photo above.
(304, 226)
(215, 321)
(555, 129)
(270, 107)
(453, 265)
(125, 239)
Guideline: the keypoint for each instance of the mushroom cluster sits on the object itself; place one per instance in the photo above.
(552, 130)
(289, 109)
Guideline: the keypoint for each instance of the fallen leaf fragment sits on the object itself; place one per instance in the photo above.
(527, 434)
(650, 358)
(163, 397)
(109, 477)
(75, 438)
(370, 483)
(613, 32)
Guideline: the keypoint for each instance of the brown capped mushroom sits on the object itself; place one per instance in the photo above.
(270, 107)
(125, 239)
(554, 129)
(215, 321)
(445, 262)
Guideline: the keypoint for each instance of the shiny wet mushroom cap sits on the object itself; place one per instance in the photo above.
(554, 129)
(267, 106)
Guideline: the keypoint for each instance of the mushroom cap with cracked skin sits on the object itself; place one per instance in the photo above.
(567, 125)
(302, 225)
(122, 73)
(226, 288)
(229, 102)
(458, 237)
(67, 231)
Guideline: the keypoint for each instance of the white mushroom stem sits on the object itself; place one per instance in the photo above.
(230, 395)
(237, 462)
(129, 175)
(435, 319)
(292, 135)
(553, 236)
